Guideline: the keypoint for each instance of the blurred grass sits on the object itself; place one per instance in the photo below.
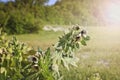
(43, 39)
(101, 55)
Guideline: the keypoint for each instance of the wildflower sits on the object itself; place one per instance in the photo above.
(33, 59)
(78, 37)
(83, 33)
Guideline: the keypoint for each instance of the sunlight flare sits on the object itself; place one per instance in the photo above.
(112, 12)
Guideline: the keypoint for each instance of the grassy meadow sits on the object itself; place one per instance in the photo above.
(100, 58)
(43, 39)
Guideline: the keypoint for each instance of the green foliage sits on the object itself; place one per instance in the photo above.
(12, 59)
(2, 18)
(77, 11)
(21, 16)
(20, 22)
(19, 61)
(66, 47)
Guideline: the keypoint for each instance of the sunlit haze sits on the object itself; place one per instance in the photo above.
(112, 12)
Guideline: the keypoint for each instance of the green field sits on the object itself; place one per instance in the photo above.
(43, 39)
(100, 56)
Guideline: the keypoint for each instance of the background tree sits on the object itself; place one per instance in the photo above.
(21, 16)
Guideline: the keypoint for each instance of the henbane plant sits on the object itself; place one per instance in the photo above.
(19, 61)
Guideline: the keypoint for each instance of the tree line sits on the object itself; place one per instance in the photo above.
(29, 16)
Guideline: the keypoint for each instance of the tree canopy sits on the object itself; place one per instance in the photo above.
(27, 16)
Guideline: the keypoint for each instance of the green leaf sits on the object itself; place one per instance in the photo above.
(10, 50)
(39, 50)
(77, 45)
(66, 48)
(65, 64)
(8, 56)
(83, 42)
(87, 38)
(73, 61)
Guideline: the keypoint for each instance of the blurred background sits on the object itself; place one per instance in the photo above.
(29, 16)
(40, 22)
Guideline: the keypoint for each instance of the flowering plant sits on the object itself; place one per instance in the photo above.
(19, 61)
